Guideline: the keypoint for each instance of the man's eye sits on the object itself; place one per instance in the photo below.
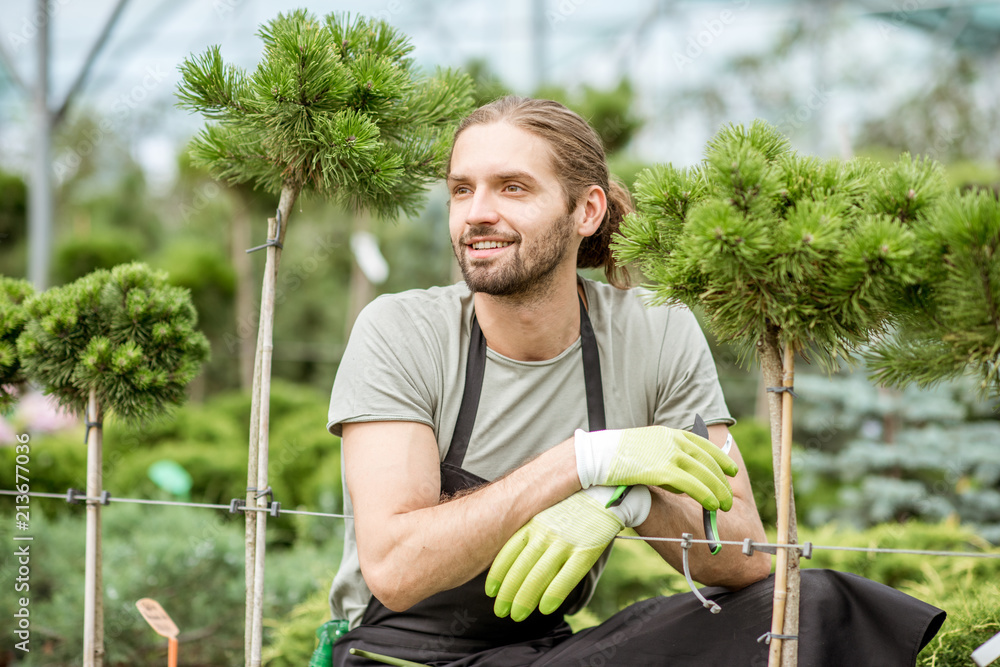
(460, 190)
(513, 188)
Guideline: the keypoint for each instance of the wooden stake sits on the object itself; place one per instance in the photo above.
(256, 522)
(784, 619)
(250, 520)
(93, 601)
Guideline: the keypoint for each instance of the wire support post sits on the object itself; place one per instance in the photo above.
(686, 542)
(749, 547)
(275, 242)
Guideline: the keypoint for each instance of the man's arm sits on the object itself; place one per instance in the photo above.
(410, 544)
(673, 514)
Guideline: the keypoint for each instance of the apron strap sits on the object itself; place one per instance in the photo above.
(474, 371)
(592, 373)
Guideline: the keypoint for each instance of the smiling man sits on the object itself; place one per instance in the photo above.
(498, 433)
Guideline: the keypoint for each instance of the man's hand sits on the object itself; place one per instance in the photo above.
(676, 460)
(544, 561)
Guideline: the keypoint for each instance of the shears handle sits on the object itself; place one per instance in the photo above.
(709, 516)
(712, 532)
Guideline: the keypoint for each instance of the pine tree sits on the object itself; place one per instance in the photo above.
(122, 342)
(126, 335)
(13, 293)
(784, 254)
(952, 323)
(335, 108)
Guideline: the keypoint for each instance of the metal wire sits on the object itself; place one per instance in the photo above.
(175, 503)
(679, 540)
(877, 550)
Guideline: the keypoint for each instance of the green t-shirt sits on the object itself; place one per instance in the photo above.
(406, 360)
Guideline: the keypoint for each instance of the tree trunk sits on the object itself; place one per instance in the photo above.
(256, 521)
(93, 604)
(786, 619)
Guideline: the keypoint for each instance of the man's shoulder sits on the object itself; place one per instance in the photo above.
(432, 306)
(633, 303)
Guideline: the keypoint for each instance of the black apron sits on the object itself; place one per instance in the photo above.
(455, 623)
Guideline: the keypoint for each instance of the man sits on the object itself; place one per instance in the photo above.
(500, 415)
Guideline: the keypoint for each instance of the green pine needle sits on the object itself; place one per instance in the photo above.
(831, 253)
(126, 333)
(335, 108)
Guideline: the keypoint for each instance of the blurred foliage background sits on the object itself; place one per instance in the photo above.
(908, 469)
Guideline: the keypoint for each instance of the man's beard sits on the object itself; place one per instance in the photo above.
(529, 270)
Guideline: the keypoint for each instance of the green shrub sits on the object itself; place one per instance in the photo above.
(189, 560)
(294, 634)
(973, 618)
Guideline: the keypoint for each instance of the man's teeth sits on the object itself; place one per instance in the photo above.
(486, 245)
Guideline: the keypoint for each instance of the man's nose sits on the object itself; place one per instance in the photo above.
(483, 208)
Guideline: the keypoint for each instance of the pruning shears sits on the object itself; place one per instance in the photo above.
(711, 526)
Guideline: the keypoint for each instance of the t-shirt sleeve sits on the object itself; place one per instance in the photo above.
(385, 372)
(688, 380)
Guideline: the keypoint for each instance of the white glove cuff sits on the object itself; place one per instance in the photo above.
(634, 506)
(594, 452)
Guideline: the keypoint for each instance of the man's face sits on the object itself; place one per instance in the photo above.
(510, 229)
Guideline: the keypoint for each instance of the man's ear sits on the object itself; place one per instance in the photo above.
(594, 204)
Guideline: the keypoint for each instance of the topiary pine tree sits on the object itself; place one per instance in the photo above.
(120, 341)
(952, 324)
(783, 253)
(126, 335)
(335, 108)
(13, 293)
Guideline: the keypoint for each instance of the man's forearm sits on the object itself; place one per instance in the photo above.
(424, 550)
(672, 515)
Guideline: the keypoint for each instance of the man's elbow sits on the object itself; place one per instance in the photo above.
(760, 569)
(392, 590)
(757, 568)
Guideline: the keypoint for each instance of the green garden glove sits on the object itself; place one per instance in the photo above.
(676, 460)
(548, 556)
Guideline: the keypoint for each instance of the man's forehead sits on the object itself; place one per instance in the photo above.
(500, 149)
